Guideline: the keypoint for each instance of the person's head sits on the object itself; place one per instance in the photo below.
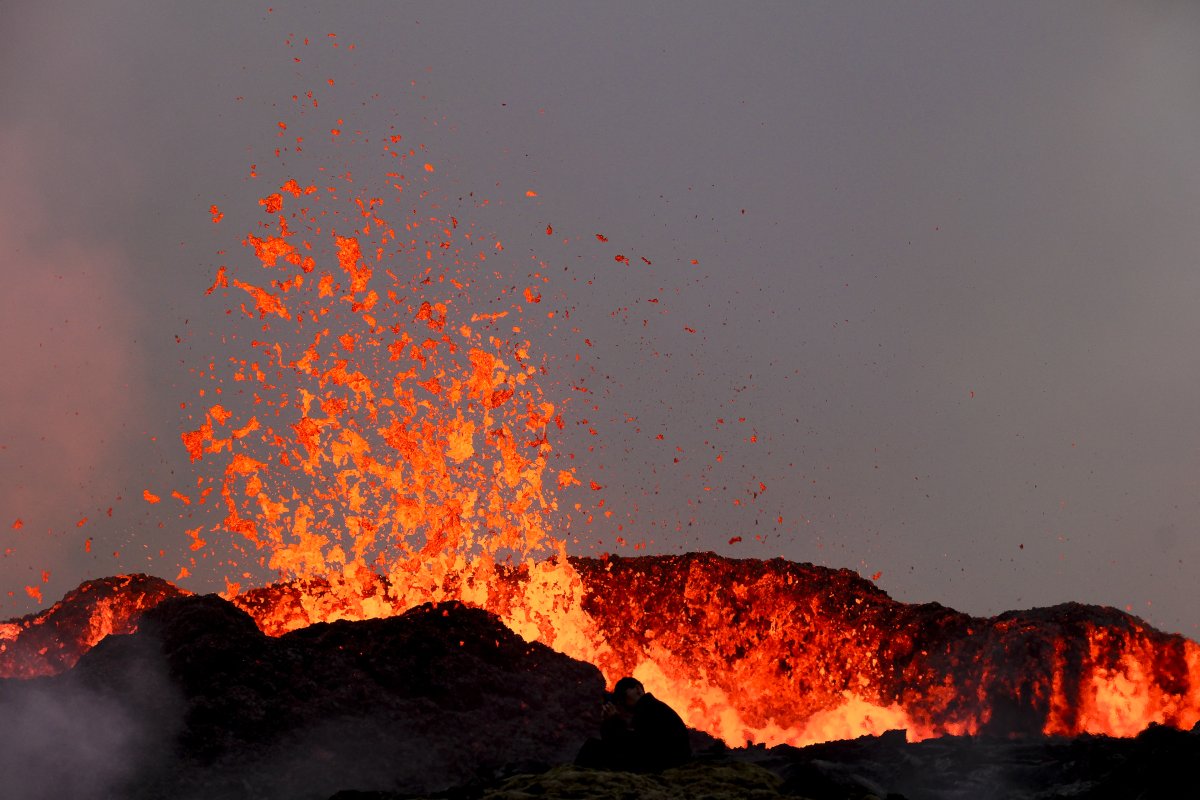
(627, 692)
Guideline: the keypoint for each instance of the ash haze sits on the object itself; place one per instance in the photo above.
(946, 270)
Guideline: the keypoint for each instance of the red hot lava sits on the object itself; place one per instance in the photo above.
(772, 652)
(381, 443)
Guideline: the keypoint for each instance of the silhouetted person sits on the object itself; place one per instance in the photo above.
(639, 733)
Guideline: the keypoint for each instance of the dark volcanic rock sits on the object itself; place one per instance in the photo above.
(1154, 764)
(438, 696)
(1157, 764)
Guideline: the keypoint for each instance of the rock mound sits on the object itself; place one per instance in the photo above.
(439, 696)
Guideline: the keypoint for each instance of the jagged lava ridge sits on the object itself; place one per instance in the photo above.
(773, 651)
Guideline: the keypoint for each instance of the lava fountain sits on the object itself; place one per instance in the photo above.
(380, 438)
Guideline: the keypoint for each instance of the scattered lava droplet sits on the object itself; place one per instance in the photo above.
(18, 524)
(272, 203)
(149, 496)
(735, 540)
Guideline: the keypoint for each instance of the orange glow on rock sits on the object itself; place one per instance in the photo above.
(771, 652)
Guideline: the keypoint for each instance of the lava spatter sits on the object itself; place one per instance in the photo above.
(401, 436)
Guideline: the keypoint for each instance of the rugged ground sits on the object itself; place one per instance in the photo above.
(444, 701)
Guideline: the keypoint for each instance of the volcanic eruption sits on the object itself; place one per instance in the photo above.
(380, 443)
(378, 433)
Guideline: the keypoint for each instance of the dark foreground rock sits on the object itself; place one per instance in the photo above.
(199, 704)
(730, 780)
(1158, 764)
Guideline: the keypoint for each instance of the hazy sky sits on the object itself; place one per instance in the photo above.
(946, 268)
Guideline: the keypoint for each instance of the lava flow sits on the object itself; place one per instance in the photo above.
(380, 442)
(765, 651)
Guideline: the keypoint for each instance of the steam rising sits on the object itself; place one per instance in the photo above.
(86, 733)
(70, 370)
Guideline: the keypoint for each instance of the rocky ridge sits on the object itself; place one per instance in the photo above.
(444, 701)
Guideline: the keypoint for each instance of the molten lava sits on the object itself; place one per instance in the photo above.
(379, 438)
(765, 651)
(393, 432)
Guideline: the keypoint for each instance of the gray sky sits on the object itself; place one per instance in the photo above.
(946, 268)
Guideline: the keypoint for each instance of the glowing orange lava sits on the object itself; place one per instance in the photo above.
(378, 436)
(390, 431)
